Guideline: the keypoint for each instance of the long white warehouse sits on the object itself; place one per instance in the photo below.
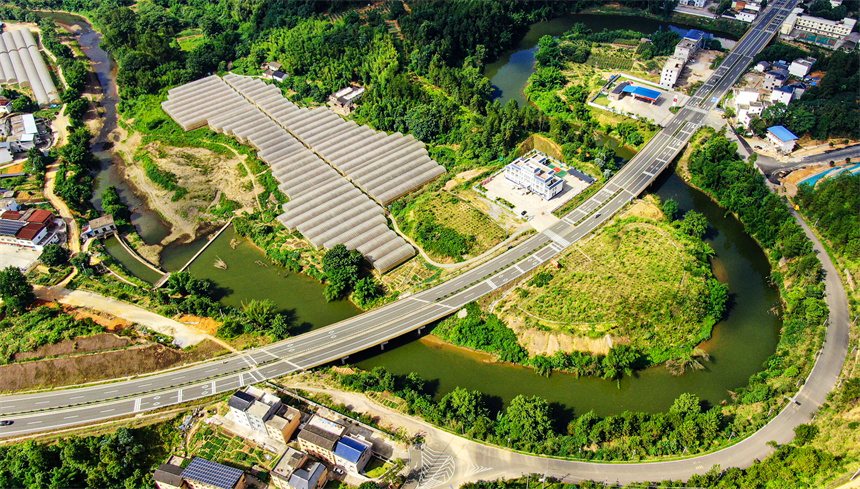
(323, 205)
(21, 63)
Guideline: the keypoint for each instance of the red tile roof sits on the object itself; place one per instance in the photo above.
(30, 231)
(41, 216)
(14, 215)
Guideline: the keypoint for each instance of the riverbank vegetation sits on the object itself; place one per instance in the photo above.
(532, 424)
(831, 206)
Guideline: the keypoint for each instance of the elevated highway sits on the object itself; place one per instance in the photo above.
(76, 406)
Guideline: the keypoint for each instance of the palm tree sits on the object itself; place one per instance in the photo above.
(687, 360)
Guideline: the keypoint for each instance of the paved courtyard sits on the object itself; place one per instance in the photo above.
(537, 210)
(16, 256)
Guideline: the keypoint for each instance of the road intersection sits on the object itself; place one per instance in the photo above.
(87, 405)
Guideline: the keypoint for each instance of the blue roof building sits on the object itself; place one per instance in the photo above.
(642, 93)
(782, 138)
(695, 35)
(353, 453)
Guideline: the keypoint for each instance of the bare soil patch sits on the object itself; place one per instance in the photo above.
(83, 344)
(209, 177)
(200, 324)
(100, 366)
(110, 323)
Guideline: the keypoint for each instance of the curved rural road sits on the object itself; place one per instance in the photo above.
(58, 409)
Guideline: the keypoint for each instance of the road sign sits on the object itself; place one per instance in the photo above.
(714, 100)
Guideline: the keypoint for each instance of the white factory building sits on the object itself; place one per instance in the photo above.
(532, 172)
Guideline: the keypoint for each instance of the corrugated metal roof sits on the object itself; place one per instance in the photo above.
(782, 133)
(642, 92)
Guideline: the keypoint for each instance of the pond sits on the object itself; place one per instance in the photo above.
(250, 275)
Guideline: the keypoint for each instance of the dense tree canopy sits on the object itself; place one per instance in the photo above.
(16, 292)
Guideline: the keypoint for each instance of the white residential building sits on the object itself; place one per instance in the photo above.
(782, 138)
(801, 67)
(745, 97)
(532, 172)
(782, 94)
(686, 49)
(746, 113)
(825, 27)
(746, 16)
(775, 78)
(671, 72)
(253, 407)
(352, 453)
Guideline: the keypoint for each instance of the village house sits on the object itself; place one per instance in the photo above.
(98, 227)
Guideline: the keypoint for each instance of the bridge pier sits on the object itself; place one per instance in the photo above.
(343, 360)
(420, 330)
(382, 345)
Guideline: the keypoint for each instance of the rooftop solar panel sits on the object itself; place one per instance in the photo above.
(9, 227)
(211, 473)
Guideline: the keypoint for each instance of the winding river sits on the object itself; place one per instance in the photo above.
(738, 348)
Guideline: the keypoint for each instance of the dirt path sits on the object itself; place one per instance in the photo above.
(516, 234)
(74, 233)
(250, 175)
(183, 335)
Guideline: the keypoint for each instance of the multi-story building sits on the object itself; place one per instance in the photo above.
(685, 49)
(774, 78)
(200, 474)
(746, 16)
(801, 67)
(782, 138)
(291, 461)
(99, 226)
(253, 407)
(319, 437)
(532, 172)
(671, 72)
(825, 27)
(353, 453)
(205, 474)
(782, 94)
(746, 112)
(282, 426)
(311, 476)
(169, 476)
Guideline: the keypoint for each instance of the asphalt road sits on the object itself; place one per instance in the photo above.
(64, 408)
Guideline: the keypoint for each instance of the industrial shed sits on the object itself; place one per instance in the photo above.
(385, 166)
(325, 207)
(21, 63)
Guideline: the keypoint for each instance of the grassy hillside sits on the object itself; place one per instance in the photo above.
(638, 280)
